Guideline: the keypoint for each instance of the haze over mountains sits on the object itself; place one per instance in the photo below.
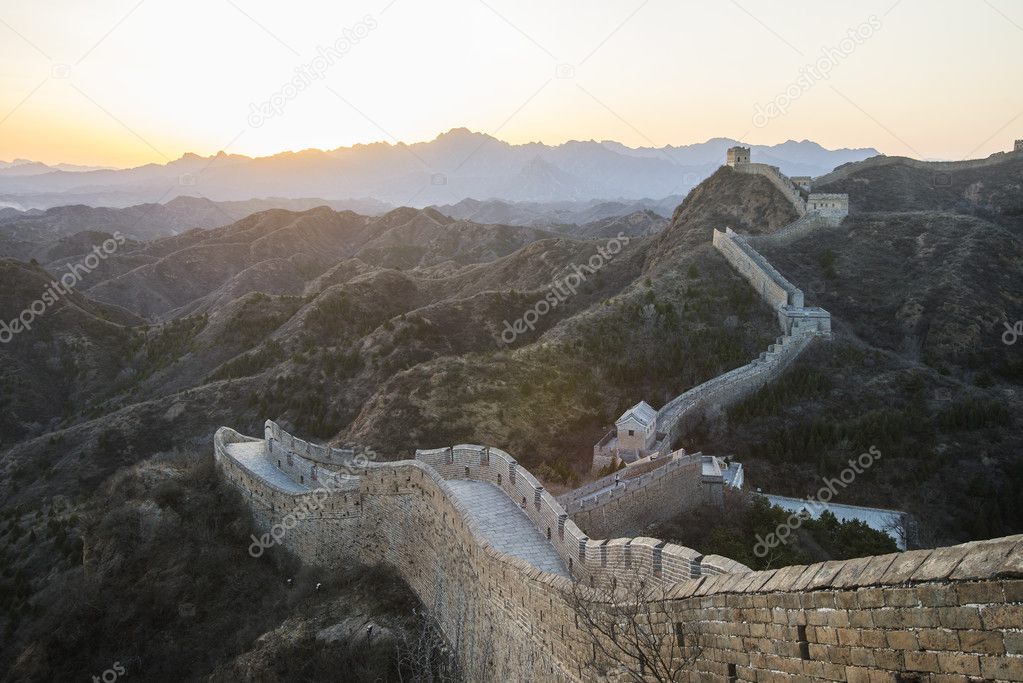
(545, 214)
(23, 232)
(50, 235)
(456, 165)
(27, 167)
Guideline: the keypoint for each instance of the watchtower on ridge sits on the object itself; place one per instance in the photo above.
(737, 156)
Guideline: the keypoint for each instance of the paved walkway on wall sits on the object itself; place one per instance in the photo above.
(506, 526)
(252, 456)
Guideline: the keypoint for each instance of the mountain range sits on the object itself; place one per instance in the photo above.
(50, 235)
(456, 165)
(549, 214)
(22, 233)
(27, 167)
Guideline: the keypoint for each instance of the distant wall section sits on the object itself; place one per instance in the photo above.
(779, 180)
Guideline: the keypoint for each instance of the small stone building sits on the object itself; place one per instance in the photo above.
(737, 155)
(1019, 146)
(634, 438)
(637, 428)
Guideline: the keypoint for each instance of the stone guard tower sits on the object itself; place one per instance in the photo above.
(737, 156)
(1019, 146)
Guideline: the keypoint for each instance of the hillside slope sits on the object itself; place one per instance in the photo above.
(992, 189)
(918, 367)
(748, 204)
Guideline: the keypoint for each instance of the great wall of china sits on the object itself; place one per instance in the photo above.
(610, 506)
(504, 567)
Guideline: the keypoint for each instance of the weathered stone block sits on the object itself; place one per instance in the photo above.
(870, 597)
(959, 617)
(977, 592)
(982, 642)
(1013, 642)
(938, 639)
(905, 597)
(902, 640)
(922, 661)
(1001, 616)
(1002, 668)
(959, 664)
(904, 565)
(873, 638)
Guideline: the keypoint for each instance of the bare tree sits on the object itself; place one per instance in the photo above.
(423, 654)
(627, 631)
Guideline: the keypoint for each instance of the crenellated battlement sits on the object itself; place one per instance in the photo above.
(294, 478)
(873, 618)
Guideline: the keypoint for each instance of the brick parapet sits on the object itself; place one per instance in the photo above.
(934, 614)
(575, 547)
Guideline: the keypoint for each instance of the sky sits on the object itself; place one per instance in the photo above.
(128, 82)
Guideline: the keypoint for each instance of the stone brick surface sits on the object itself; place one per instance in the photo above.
(476, 550)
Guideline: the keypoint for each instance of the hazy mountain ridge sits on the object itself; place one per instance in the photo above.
(154, 220)
(455, 165)
(24, 167)
(992, 192)
(636, 224)
(549, 214)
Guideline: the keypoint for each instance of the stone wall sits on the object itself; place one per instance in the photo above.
(486, 603)
(787, 299)
(709, 399)
(800, 324)
(768, 282)
(795, 230)
(832, 208)
(342, 495)
(635, 503)
(928, 615)
(779, 180)
(587, 558)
